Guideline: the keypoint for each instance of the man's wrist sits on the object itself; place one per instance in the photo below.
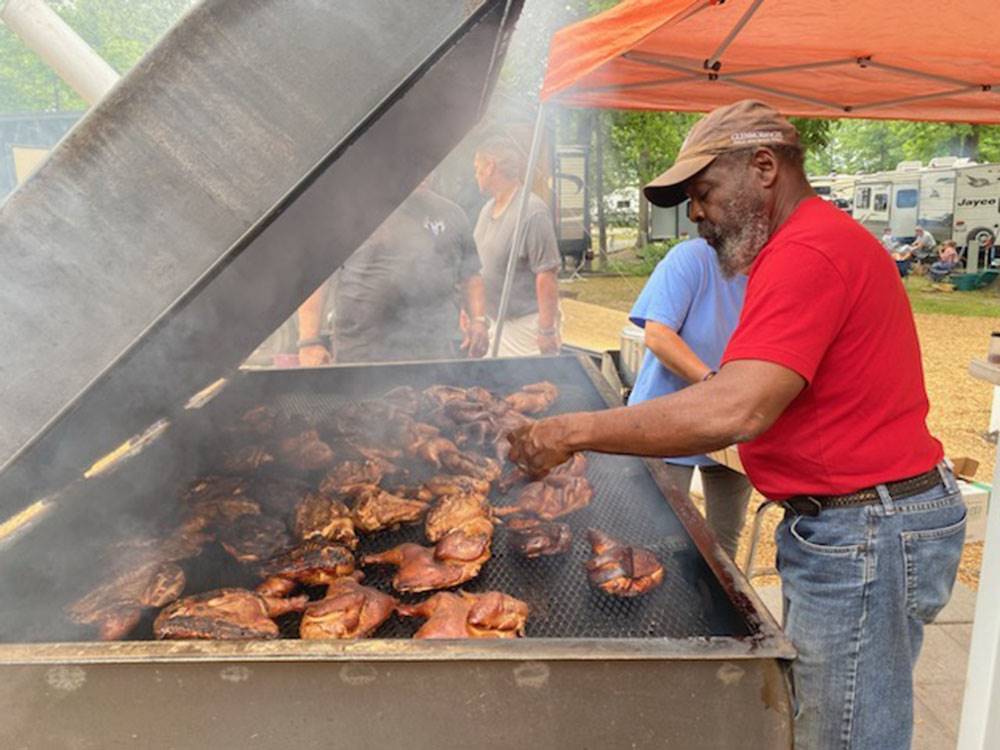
(311, 341)
(576, 429)
(708, 376)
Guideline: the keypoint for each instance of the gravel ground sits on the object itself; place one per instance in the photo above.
(960, 406)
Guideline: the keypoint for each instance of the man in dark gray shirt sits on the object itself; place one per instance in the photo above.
(532, 320)
(399, 296)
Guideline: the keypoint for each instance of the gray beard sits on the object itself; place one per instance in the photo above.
(742, 235)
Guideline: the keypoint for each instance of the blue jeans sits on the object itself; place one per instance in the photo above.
(859, 585)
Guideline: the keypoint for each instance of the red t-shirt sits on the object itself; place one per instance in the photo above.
(824, 299)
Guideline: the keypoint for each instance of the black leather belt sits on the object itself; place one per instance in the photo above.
(811, 505)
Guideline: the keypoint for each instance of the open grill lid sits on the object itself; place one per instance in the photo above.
(229, 173)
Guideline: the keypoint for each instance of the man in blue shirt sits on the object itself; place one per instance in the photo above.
(688, 311)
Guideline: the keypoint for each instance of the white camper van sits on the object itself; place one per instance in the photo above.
(889, 199)
(835, 188)
(977, 213)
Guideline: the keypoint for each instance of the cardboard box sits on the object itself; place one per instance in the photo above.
(964, 467)
(729, 457)
(977, 500)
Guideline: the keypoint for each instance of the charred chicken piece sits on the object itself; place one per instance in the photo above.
(363, 419)
(552, 498)
(471, 464)
(439, 395)
(464, 615)
(467, 545)
(375, 510)
(251, 539)
(212, 488)
(116, 606)
(451, 512)
(619, 569)
(349, 610)
(317, 516)
(533, 537)
(405, 399)
(222, 510)
(454, 484)
(260, 420)
(534, 398)
(421, 570)
(246, 460)
(224, 614)
(278, 496)
(435, 450)
(309, 564)
(306, 452)
(351, 476)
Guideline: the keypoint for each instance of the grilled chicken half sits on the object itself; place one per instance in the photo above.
(464, 615)
(619, 569)
(349, 610)
(224, 614)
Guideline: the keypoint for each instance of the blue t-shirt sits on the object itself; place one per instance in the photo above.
(687, 293)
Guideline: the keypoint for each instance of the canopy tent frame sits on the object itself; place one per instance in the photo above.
(711, 70)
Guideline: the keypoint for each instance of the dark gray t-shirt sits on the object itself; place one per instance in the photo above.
(539, 253)
(398, 296)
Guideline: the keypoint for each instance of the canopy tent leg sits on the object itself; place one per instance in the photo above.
(518, 241)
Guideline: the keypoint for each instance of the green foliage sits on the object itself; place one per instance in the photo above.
(857, 146)
(120, 31)
(647, 258)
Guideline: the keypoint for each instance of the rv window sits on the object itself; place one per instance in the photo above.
(881, 202)
(822, 189)
(906, 198)
(864, 198)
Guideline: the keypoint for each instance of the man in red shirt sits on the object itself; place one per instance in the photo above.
(822, 388)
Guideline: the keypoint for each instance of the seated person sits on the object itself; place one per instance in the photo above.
(888, 241)
(923, 245)
(946, 262)
(903, 255)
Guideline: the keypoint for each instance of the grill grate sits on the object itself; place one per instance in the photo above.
(627, 504)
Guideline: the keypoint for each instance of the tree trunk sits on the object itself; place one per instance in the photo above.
(602, 224)
(642, 236)
(642, 239)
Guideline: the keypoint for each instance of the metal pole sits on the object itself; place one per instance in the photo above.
(52, 39)
(518, 240)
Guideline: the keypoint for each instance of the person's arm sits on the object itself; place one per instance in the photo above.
(477, 333)
(547, 291)
(737, 405)
(310, 315)
(673, 353)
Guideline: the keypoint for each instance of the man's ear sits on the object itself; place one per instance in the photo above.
(765, 166)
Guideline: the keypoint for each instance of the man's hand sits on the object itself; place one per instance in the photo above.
(313, 356)
(477, 339)
(539, 447)
(549, 343)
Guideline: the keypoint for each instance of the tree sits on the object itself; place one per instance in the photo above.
(120, 31)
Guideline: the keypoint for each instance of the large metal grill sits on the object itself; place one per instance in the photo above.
(627, 504)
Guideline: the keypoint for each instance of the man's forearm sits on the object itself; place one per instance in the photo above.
(475, 297)
(673, 353)
(310, 314)
(691, 421)
(547, 291)
(741, 402)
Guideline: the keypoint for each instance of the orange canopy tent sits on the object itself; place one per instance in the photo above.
(902, 59)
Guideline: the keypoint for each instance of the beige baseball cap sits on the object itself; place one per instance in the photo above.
(731, 128)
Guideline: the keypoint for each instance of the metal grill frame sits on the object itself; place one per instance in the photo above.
(766, 640)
